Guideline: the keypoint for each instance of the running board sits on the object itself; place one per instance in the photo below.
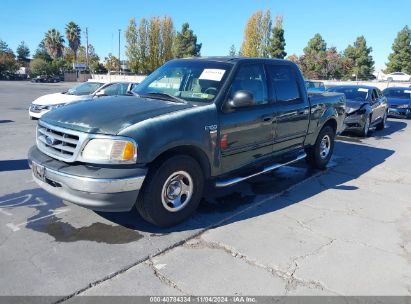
(235, 180)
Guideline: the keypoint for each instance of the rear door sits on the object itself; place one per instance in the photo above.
(376, 105)
(290, 107)
(246, 134)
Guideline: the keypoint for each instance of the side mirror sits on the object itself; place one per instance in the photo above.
(242, 99)
(101, 93)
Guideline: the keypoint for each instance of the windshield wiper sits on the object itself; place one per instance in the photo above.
(163, 96)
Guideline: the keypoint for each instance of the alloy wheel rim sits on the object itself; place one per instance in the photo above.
(177, 191)
(325, 146)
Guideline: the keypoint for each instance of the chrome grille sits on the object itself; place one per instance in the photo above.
(59, 143)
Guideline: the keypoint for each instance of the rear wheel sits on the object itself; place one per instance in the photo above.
(171, 192)
(382, 124)
(320, 154)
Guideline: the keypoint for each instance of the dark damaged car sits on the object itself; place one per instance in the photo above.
(218, 119)
(366, 108)
(399, 102)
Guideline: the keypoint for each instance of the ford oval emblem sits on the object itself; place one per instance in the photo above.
(51, 140)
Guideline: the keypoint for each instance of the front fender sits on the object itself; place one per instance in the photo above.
(183, 129)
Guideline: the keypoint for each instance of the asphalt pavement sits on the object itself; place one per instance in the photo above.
(343, 231)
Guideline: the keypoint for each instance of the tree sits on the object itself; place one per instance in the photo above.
(111, 63)
(333, 64)
(132, 52)
(276, 46)
(7, 58)
(154, 43)
(98, 68)
(41, 52)
(257, 35)
(400, 58)
(265, 29)
(232, 52)
(4, 47)
(93, 58)
(53, 41)
(358, 56)
(167, 38)
(313, 61)
(39, 67)
(23, 52)
(143, 46)
(294, 58)
(185, 43)
(73, 35)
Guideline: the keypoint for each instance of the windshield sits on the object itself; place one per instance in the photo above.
(197, 81)
(398, 93)
(357, 94)
(85, 88)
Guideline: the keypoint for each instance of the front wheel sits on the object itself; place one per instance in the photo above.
(171, 192)
(382, 124)
(320, 154)
(366, 128)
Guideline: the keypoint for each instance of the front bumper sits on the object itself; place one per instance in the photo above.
(37, 114)
(104, 188)
(354, 122)
(398, 112)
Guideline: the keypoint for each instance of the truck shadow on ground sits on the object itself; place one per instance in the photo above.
(224, 206)
(218, 207)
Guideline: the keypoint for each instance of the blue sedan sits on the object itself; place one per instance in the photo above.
(399, 101)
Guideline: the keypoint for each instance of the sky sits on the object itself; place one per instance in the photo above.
(217, 23)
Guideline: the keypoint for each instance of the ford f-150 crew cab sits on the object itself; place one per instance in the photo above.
(219, 119)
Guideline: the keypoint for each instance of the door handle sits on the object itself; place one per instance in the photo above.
(267, 118)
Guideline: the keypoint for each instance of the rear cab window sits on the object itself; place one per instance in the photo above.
(284, 84)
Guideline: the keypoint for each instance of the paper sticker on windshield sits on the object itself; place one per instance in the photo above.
(363, 90)
(407, 91)
(212, 74)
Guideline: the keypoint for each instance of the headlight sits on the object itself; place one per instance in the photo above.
(104, 150)
(55, 106)
(403, 106)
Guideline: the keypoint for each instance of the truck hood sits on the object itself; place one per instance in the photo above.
(353, 105)
(58, 98)
(398, 101)
(109, 115)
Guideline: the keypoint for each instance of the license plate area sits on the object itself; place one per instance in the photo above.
(38, 171)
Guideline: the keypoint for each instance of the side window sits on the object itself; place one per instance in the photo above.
(123, 89)
(113, 89)
(374, 95)
(284, 83)
(251, 78)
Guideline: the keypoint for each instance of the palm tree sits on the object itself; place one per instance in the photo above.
(53, 41)
(73, 35)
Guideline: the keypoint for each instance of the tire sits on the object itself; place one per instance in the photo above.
(177, 179)
(317, 156)
(381, 125)
(366, 128)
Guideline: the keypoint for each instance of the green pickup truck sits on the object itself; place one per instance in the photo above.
(218, 119)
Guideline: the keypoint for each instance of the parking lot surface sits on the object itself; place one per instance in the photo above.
(343, 231)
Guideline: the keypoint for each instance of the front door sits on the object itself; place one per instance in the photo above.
(246, 134)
